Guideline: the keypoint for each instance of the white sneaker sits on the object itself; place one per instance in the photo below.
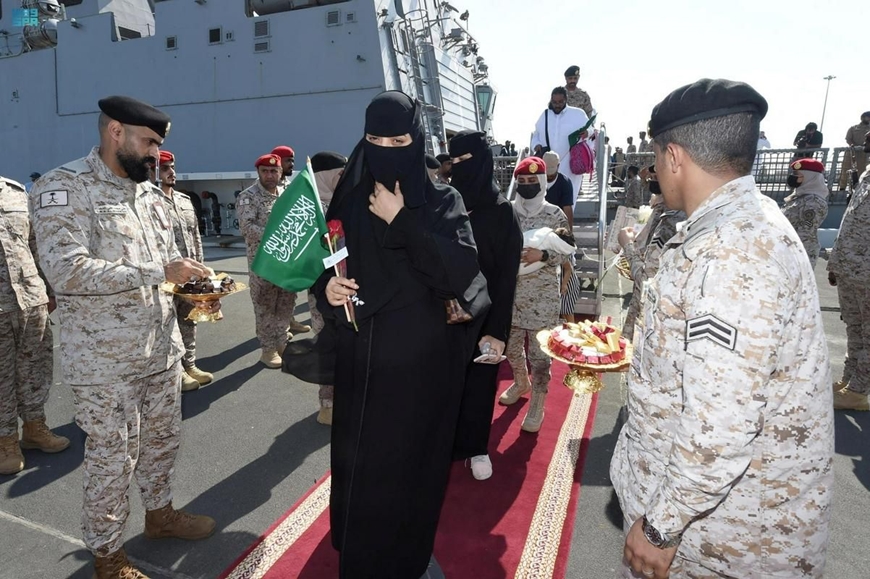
(481, 467)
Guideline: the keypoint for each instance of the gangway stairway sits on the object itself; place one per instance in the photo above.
(590, 222)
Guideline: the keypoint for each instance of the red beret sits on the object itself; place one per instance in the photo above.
(807, 165)
(166, 157)
(531, 166)
(269, 160)
(283, 152)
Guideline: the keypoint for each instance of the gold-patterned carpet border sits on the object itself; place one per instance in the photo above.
(275, 544)
(545, 532)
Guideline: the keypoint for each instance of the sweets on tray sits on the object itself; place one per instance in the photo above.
(589, 343)
(208, 286)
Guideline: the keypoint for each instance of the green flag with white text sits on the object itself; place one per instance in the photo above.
(292, 250)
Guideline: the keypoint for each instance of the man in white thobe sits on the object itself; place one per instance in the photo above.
(552, 130)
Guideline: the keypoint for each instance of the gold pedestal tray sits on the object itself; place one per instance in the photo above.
(624, 267)
(583, 378)
(200, 311)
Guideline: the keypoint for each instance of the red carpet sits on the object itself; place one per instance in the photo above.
(516, 524)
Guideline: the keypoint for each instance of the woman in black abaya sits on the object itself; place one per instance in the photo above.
(398, 380)
(499, 246)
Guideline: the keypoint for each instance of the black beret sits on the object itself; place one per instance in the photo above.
(130, 111)
(865, 114)
(572, 70)
(443, 157)
(432, 162)
(705, 99)
(327, 160)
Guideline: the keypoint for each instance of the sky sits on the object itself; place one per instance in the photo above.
(633, 53)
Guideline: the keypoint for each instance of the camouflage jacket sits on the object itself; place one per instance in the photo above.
(253, 209)
(21, 282)
(851, 254)
(633, 193)
(579, 98)
(806, 214)
(185, 225)
(537, 298)
(103, 242)
(729, 436)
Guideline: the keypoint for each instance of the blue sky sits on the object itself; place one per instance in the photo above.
(633, 53)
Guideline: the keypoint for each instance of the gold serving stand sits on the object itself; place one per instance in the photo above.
(583, 378)
(200, 311)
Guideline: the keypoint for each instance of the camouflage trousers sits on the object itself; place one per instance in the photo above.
(26, 366)
(855, 311)
(133, 429)
(188, 332)
(516, 356)
(326, 392)
(273, 310)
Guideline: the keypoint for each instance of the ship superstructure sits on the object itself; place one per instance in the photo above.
(237, 76)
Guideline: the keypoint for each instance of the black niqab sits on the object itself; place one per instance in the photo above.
(473, 177)
(379, 267)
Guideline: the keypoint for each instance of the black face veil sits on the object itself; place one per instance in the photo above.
(473, 177)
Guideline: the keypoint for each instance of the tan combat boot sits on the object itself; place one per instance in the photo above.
(270, 359)
(116, 566)
(37, 436)
(200, 376)
(325, 414)
(167, 522)
(297, 328)
(839, 385)
(513, 393)
(188, 383)
(11, 459)
(535, 417)
(846, 399)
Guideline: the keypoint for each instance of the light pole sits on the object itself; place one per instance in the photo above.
(828, 78)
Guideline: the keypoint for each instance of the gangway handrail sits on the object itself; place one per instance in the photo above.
(602, 170)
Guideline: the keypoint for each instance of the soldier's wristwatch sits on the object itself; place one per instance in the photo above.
(658, 539)
(545, 255)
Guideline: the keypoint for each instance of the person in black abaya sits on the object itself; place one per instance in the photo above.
(398, 379)
(499, 246)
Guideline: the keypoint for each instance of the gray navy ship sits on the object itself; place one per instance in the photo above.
(238, 77)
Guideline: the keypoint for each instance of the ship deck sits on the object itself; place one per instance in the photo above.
(251, 447)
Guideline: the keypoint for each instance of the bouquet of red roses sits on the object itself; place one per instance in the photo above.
(337, 247)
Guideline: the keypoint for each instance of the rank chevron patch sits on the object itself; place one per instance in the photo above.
(713, 329)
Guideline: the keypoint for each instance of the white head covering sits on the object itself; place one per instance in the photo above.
(533, 206)
(813, 184)
(551, 159)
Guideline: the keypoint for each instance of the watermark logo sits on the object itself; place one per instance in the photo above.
(22, 17)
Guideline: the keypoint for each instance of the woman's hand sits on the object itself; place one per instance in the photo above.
(339, 290)
(386, 204)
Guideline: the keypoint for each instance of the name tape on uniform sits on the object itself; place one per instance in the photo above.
(713, 329)
(110, 209)
(335, 258)
(53, 199)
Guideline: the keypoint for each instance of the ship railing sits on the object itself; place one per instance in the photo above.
(771, 168)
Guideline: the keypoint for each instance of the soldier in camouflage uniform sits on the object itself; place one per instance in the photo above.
(855, 157)
(537, 299)
(724, 467)
(644, 252)
(849, 270)
(26, 358)
(106, 243)
(633, 191)
(189, 244)
(273, 306)
(807, 207)
(577, 97)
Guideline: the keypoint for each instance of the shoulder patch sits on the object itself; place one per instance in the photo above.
(713, 329)
(56, 198)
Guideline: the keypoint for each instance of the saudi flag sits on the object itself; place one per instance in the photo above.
(292, 250)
